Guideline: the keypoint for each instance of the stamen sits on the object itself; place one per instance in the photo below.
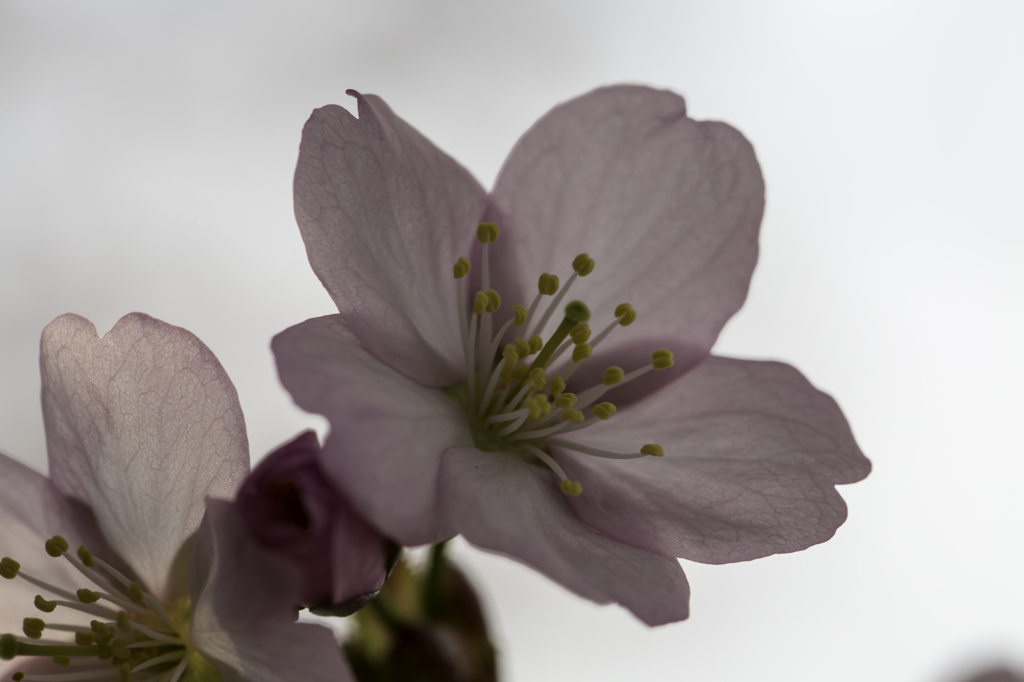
(603, 410)
(179, 671)
(157, 660)
(569, 487)
(597, 452)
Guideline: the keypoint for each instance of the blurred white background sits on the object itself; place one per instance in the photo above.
(146, 154)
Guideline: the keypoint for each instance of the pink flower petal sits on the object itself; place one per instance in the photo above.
(243, 617)
(502, 504)
(32, 511)
(753, 453)
(668, 207)
(385, 214)
(387, 432)
(142, 425)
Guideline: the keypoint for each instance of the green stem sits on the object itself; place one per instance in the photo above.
(433, 597)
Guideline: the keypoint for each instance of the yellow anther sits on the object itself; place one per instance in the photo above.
(572, 416)
(493, 301)
(577, 311)
(653, 449)
(628, 319)
(603, 410)
(536, 343)
(581, 352)
(487, 232)
(548, 284)
(18, 676)
(557, 386)
(461, 267)
(519, 312)
(44, 605)
(583, 264)
(520, 371)
(101, 633)
(87, 596)
(571, 487)
(33, 627)
(523, 348)
(538, 405)
(539, 378)
(566, 400)
(83, 638)
(119, 650)
(662, 359)
(124, 673)
(9, 568)
(135, 593)
(56, 546)
(480, 301)
(124, 621)
(622, 308)
(613, 375)
(85, 556)
(63, 661)
(580, 333)
(510, 355)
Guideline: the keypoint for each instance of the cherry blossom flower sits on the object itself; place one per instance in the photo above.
(592, 436)
(294, 511)
(113, 570)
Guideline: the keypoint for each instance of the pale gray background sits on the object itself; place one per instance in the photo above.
(146, 153)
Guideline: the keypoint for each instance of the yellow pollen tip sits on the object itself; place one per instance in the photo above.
(493, 301)
(577, 311)
(519, 313)
(523, 348)
(653, 449)
(566, 400)
(622, 308)
(662, 359)
(461, 267)
(548, 284)
(603, 410)
(124, 621)
(613, 375)
(480, 301)
(571, 487)
(628, 319)
(61, 660)
(87, 596)
(9, 568)
(135, 593)
(85, 556)
(572, 416)
(581, 352)
(18, 676)
(580, 333)
(56, 546)
(33, 627)
(583, 264)
(487, 232)
(44, 605)
(536, 343)
(510, 355)
(539, 378)
(557, 386)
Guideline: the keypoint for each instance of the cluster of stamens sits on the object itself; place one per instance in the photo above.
(519, 404)
(131, 637)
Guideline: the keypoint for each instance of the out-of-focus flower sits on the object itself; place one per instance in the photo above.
(142, 427)
(441, 427)
(294, 511)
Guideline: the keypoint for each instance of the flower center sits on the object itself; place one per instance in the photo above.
(512, 403)
(132, 637)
